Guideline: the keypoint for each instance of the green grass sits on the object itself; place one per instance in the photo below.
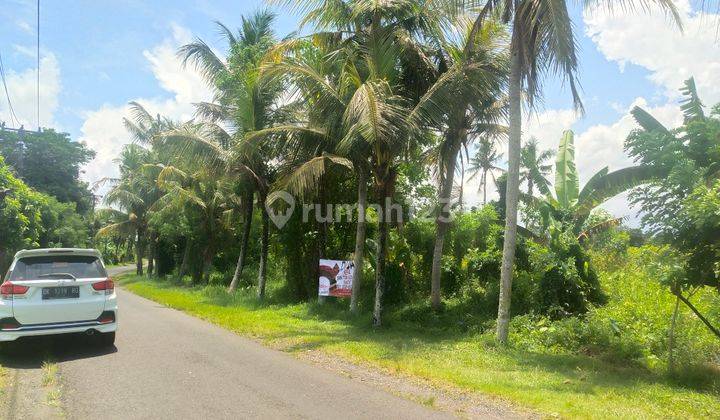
(567, 385)
(4, 376)
(50, 373)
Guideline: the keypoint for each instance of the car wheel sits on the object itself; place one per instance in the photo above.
(107, 339)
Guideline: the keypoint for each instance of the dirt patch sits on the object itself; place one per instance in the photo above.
(461, 403)
(32, 393)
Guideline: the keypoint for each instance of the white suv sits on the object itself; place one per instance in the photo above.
(58, 291)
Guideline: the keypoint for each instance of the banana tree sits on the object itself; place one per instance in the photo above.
(568, 208)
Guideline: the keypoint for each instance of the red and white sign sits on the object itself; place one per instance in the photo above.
(336, 278)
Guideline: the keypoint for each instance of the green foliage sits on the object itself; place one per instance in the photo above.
(682, 207)
(567, 181)
(21, 216)
(31, 219)
(49, 162)
(634, 324)
(63, 226)
(569, 284)
(569, 208)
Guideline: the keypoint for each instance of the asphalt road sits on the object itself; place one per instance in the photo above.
(167, 364)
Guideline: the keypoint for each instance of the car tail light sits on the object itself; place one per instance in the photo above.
(107, 285)
(107, 317)
(8, 289)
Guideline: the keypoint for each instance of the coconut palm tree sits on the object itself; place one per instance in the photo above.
(485, 163)
(320, 76)
(209, 198)
(542, 41)
(533, 169)
(463, 105)
(145, 130)
(130, 198)
(391, 74)
(245, 104)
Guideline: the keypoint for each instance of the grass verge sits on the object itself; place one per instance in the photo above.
(566, 385)
(4, 383)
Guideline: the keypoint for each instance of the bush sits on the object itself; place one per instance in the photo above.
(569, 285)
(633, 326)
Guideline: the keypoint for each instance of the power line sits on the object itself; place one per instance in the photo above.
(38, 73)
(13, 118)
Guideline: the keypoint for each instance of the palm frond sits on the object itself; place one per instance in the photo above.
(204, 59)
(226, 33)
(123, 198)
(139, 114)
(122, 229)
(306, 178)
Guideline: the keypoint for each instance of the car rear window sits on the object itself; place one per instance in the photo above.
(57, 267)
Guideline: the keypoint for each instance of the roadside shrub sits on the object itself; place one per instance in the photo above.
(633, 326)
(569, 284)
(575, 335)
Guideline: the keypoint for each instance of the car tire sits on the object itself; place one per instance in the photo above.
(107, 339)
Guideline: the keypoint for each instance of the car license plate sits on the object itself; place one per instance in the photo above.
(61, 292)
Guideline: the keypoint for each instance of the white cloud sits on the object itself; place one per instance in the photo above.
(187, 85)
(596, 147)
(23, 94)
(24, 26)
(103, 129)
(25, 50)
(651, 41)
(547, 126)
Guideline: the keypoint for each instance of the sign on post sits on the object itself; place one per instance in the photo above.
(336, 278)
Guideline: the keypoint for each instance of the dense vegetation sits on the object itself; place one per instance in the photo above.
(31, 217)
(397, 103)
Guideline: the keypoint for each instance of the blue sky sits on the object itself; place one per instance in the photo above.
(98, 55)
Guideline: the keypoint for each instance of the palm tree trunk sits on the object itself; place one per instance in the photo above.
(150, 255)
(461, 199)
(512, 193)
(185, 260)
(207, 261)
(139, 252)
(484, 182)
(129, 249)
(386, 188)
(380, 271)
(442, 223)
(243, 245)
(262, 273)
(156, 256)
(359, 239)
